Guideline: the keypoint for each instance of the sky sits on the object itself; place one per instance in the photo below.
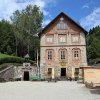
(85, 12)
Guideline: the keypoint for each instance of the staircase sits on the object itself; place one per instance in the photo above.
(7, 74)
(63, 78)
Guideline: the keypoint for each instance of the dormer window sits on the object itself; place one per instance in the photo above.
(62, 26)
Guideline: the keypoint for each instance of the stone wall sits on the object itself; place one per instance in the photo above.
(19, 72)
(7, 74)
(13, 73)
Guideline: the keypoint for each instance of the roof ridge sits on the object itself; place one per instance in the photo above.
(67, 17)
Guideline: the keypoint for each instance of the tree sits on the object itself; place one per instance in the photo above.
(27, 23)
(93, 45)
(7, 39)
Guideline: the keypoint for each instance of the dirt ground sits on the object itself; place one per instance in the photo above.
(62, 90)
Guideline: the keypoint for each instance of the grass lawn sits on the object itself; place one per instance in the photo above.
(6, 60)
(4, 55)
(4, 65)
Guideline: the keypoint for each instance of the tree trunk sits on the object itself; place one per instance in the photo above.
(16, 46)
(28, 48)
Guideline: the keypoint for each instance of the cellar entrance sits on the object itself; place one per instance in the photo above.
(26, 75)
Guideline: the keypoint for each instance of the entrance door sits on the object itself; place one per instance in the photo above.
(63, 71)
(76, 72)
(51, 73)
(26, 75)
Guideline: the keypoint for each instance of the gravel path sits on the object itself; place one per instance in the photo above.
(63, 90)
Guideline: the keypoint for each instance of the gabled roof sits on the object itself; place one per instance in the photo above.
(63, 14)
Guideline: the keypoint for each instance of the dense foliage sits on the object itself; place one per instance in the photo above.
(7, 41)
(93, 45)
(12, 59)
(19, 36)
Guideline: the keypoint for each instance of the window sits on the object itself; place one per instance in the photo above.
(49, 55)
(49, 71)
(49, 39)
(62, 55)
(75, 38)
(62, 26)
(62, 38)
(76, 54)
(76, 71)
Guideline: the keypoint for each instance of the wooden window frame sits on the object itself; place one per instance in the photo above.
(66, 54)
(49, 55)
(52, 55)
(62, 55)
(62, 26)
(73, 54)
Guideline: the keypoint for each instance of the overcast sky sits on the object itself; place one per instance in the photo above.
(86, 12)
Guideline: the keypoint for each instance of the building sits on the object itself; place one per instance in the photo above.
(91, 74)
(23, 72)
(63, 48)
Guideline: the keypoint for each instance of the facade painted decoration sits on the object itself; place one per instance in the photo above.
(62, 48)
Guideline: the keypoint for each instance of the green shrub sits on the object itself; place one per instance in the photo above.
(14, 60)
(34, 78)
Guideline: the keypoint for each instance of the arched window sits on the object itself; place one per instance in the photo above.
(62, 54)
(76, 54)
(49, 54)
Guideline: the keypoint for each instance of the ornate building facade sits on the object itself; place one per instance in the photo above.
(63, 48)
